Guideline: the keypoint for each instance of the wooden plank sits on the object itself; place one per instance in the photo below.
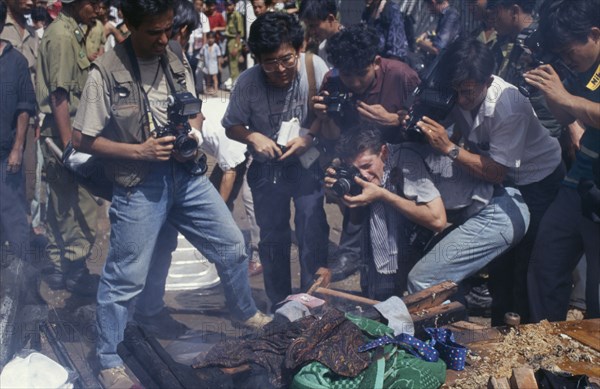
(430, 297)
(584, 331)
(498, 383)
(348, 296)
(523, 378)
(438, 316)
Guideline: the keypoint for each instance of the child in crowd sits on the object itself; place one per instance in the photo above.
(213, 59)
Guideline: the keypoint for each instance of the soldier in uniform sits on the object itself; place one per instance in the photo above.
(62, 68)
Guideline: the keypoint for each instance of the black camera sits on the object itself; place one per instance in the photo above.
(345, 183)
(434, 98)
(338, 103)
(182, 106)
(530, 41)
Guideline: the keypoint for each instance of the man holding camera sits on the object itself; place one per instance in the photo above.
(414, 191)
(134, 92)
(570, 226)
(269, 102)
(361, 86)
(497, 137)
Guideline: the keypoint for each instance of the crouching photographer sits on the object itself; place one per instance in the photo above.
(137, 113)
(428, 219)
(570, 226)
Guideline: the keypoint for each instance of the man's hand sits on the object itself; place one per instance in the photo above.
(156, 149)
(319, 108)
(547, 80)
(436, 135)
(297, 146)
(377, 114)
(370, 193)
(264, 146)
(15, 159)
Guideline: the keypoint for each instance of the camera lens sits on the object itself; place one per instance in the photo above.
(341, 186)
(187, 146)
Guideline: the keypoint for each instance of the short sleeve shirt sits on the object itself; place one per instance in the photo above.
(27, 44)
(507, 130)
(262, 108)
(62, 63)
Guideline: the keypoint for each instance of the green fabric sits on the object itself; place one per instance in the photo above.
(395, 369)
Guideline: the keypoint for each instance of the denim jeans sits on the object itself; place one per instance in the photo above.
(475, 243)
(137, 215)
(272, 209)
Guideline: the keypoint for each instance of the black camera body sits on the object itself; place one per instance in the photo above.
(182, 106)
(338, 103)
(434, 98)
(345, 183)
(530, 41)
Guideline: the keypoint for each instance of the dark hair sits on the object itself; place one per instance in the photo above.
(528, 6)
(185, 15)
(135, 11)
(359, 139)
(211, 34)
(3, 12)
(353, 48)
(564, 22)
(272, 30)
(467, 59)
(317, 9)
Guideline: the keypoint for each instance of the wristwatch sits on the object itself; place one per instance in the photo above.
(315, 140)
(453, 153)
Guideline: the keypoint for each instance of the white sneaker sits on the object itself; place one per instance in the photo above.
(115, 378)
(258, 321)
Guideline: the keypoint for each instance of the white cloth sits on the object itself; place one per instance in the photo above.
(34, 371)
(507, 130)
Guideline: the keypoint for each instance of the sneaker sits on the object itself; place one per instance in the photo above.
(162, 325)
(115, 378)
(258, 321)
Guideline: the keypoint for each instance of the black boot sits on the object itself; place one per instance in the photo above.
(79, 280)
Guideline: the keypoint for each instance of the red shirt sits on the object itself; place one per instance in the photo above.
(216, 20)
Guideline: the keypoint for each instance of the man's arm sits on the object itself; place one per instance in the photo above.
(59, 104)
(226, 185)
(431, 215)
(564, 106)
(481, 166)
(15, 158)
(260, 143)
(153, 149)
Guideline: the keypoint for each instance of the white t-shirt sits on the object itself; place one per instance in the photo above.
(195, 42)
(507, 130)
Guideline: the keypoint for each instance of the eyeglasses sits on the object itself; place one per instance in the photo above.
(289, 61)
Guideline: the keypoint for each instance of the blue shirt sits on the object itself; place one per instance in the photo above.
(587, 155)
(448, 28)
(17, 95)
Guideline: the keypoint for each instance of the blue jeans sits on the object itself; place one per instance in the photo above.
(137, 216)
(475, 243)
(272, 209)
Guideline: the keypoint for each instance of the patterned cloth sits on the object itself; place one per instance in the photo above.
(384, 230)
(394, 368)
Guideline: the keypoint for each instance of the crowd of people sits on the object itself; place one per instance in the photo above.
(449, 154)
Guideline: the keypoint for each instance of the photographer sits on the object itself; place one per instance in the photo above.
(131, 116)
(268, 101)
(568, 229)
(497, 137)
(362, 86)
(372, 88)
(414, 191)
